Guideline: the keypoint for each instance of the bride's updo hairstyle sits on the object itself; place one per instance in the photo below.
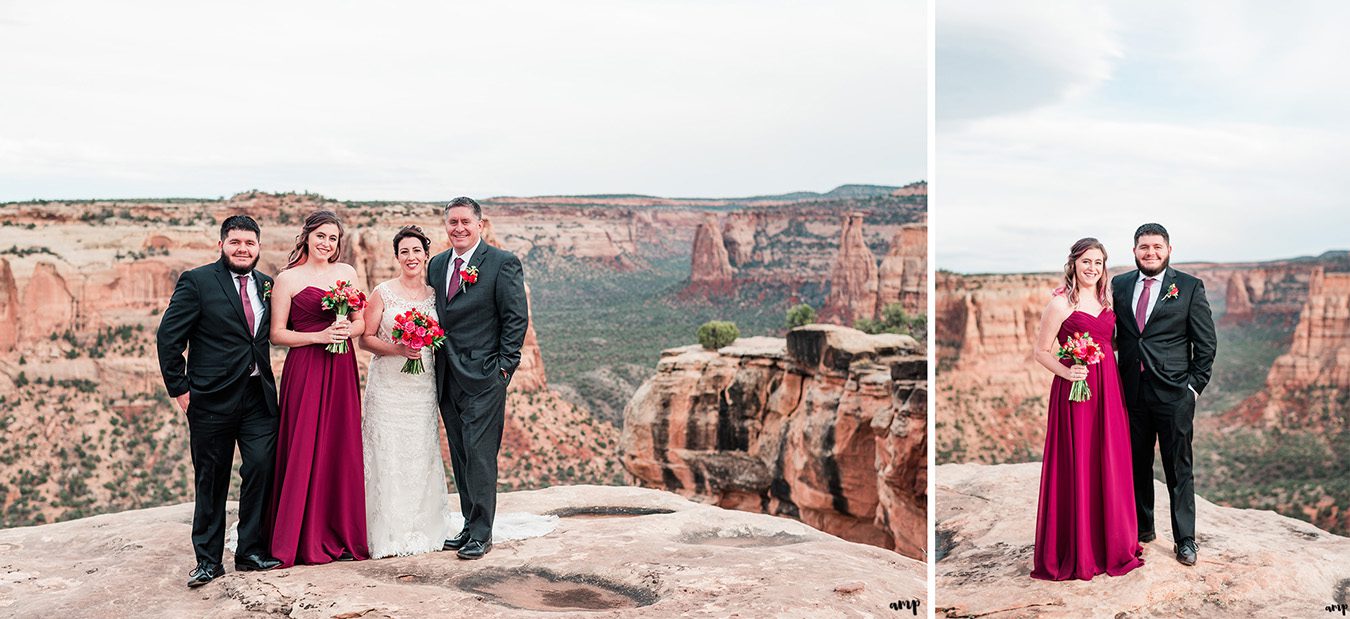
(1070, 286)
(318, 218)
(412, 232)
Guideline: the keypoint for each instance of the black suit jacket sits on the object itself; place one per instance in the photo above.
(206, 316)
(484, 324)
(1178, 343)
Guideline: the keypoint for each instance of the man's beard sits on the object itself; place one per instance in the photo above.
(1166, 261)
(236, 270)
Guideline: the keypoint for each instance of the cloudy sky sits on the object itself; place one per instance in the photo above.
(427, 99)
(1224, 121)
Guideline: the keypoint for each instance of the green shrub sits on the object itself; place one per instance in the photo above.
(800, 315)
(894, 320)
(715, 334)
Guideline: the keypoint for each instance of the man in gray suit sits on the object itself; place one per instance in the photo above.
(480, 302)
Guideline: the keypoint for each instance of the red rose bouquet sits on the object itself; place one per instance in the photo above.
(1083, 351)
(342, 299)
(417, 331)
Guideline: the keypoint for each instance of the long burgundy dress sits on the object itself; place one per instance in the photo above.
(1085, 522)
(319, 502)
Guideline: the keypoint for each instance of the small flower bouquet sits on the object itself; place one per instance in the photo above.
(342, 299)
(417, 331)
(1083, 351)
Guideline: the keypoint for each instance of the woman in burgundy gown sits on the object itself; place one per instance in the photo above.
(319, 504)
(1085, 521)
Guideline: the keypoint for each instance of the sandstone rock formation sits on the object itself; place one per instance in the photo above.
(1252, 563)
(903, 275)
(1308, 386)
(710, 269)
(9, 308)
(741, 235)
(827, 426)
(853, 279)
(991, 402)
(48, 305)
(1272, 294)
(617, 552)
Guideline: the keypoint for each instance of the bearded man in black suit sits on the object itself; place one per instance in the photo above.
(219, 313)
(1166, 341)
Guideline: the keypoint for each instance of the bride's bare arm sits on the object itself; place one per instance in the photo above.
(368, 339)
(1056, 312)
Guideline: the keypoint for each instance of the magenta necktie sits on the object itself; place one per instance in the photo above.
(248, 304)
(454, 281)
(1140, 312)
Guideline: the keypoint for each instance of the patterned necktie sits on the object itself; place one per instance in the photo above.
(454, 281)
(248, 303)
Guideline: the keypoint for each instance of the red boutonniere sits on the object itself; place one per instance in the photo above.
(1171, 293)
(467, 278)
(267, 290)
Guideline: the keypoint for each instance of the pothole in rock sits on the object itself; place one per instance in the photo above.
(541, 589)
(607, 511)
(741, 538)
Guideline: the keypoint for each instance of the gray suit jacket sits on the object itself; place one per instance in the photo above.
(484, 324)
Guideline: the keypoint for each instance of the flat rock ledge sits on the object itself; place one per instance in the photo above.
(617, 552)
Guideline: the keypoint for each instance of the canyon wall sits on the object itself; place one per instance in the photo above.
(827, 426)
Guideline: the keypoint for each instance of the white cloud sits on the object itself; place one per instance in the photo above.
(427, 99)
(1185, 132)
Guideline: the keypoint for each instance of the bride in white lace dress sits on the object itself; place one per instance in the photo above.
(407, 510)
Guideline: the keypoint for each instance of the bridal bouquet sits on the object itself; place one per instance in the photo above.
(342, 299)
(417, 331)
(1083, 351)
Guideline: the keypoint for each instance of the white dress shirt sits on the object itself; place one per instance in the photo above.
(1154, 292)
(450, 266)
(257, 303)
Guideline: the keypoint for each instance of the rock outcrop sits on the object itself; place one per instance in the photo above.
(616, 552)
(48, 304)
(853, 279)
(1252, 563)
(827, 426)
(710, 269)
(1307, 388)
(903, 275)
(1271, 294)
(991, 402)
(9, 308)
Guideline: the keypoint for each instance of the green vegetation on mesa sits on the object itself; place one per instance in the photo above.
(602, 332)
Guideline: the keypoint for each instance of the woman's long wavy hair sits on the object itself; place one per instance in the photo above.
(1070, 286)
(300, 254)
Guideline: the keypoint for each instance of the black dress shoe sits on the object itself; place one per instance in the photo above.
(1186, 552)
(204, 573)
(474, 549)
(255, 563)
(458, 541)
(346, 556)
(1145, 538)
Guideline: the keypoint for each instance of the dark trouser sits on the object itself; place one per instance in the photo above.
(473, 427)
(212, 438)
(1170, 424)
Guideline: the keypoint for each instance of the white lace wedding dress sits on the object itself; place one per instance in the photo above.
(407, 510)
